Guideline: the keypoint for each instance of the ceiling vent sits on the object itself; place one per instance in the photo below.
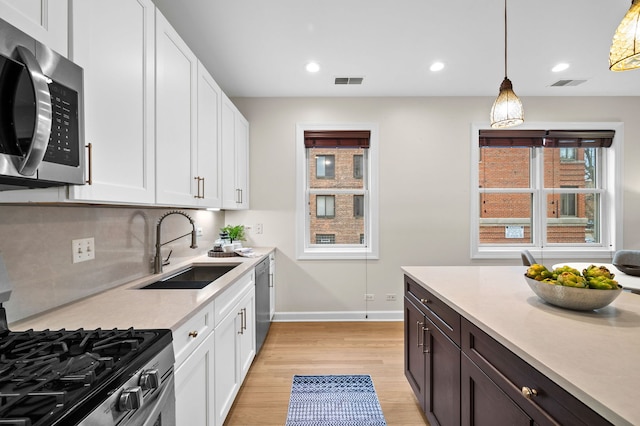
(566, 83)
(349, 80)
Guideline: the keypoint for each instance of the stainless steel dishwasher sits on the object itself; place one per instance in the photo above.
(263, 317)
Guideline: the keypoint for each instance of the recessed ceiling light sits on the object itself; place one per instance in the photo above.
(313, 67)
(560, 67)
(437, 66)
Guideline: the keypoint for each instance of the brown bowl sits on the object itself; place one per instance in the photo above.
(579, 299)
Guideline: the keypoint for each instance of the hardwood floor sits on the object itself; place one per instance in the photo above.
(374, 348)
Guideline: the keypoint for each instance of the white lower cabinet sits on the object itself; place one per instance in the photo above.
(214, 350)
(193, 348)
(234, 343)
(195, 386)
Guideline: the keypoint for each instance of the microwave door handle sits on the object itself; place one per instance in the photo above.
(42, 125)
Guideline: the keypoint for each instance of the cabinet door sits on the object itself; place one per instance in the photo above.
(228, 128)
(119, 94)
(195, 386)
(247, 336)
(235, 157)
(46, 21)
(242, 160)
(484, 403)
(209, 188)
(414, 350)
(227, 368)
(442, 390)
(176, 96)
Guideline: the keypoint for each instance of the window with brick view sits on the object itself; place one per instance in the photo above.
(336, 165)
(520, 170)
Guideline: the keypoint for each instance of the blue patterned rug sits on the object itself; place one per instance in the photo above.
(334, 401)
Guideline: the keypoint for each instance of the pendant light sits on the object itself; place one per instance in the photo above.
(625, 48)
(507, 109)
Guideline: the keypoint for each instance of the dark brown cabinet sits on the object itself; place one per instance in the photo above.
(462, 376)
(432, 358)
(496, 381)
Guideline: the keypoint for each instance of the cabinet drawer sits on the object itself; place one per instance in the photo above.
(190, 334)
(551, 405)
(445, 318)
(226, 302)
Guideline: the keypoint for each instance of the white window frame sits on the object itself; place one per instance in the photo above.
(305, 250)
(611, 202)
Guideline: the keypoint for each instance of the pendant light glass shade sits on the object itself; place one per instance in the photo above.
(507, 109)
(625, 48)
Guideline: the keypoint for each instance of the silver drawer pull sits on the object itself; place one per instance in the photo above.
(425, 301)
(528, 392)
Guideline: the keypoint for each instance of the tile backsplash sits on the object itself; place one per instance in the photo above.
(35, 244)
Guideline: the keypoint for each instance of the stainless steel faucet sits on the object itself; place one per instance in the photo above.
(157, 261)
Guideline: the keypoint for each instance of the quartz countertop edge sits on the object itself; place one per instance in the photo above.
(592, 355)
(127, 306)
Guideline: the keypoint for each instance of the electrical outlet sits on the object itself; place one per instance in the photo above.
(199, 232)
(391, 297)
(83, 249)
(369, 297)
(258, 228)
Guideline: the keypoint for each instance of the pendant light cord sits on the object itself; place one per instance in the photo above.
(505, 38)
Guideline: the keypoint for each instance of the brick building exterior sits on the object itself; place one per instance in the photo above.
(568, 215)
(346, 225)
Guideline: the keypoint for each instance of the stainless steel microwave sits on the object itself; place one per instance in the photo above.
(41, 114)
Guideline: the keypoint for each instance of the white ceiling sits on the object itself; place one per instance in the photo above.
(258, 48)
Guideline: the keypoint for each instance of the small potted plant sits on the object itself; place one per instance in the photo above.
(236, 233)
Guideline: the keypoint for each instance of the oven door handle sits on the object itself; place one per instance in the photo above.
(42, 124)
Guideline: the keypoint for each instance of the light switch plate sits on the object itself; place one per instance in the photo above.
(83, 249)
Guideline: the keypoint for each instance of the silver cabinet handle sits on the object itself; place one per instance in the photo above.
(42, 128)
(419, 325)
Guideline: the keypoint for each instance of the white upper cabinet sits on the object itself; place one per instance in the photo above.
(176, 106)
(188, 104)
(119, 98)
(209, 185)
(44, 20)
(235, 157)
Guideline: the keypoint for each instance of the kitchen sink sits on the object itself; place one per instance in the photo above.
(194, 278)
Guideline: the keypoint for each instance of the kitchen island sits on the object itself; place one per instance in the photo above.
(593, 355)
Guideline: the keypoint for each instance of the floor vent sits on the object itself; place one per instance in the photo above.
(565, 83)
(349, 80)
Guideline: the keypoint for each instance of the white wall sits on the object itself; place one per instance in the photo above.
(424, 188)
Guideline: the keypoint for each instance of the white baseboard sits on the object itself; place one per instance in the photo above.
(338, 316)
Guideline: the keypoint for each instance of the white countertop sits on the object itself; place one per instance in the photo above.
(593, 355)
(128, 306)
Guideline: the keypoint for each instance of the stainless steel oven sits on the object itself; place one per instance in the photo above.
(96, 377)
(41, 114)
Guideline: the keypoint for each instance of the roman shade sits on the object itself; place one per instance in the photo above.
(547, 138)
(336, 138)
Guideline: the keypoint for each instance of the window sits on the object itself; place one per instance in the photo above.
(337, 192)
(546, 190)
(358, 205)
(568, 204)
(357, 166)
(568, 154)
(325, 206)
(325, 166)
